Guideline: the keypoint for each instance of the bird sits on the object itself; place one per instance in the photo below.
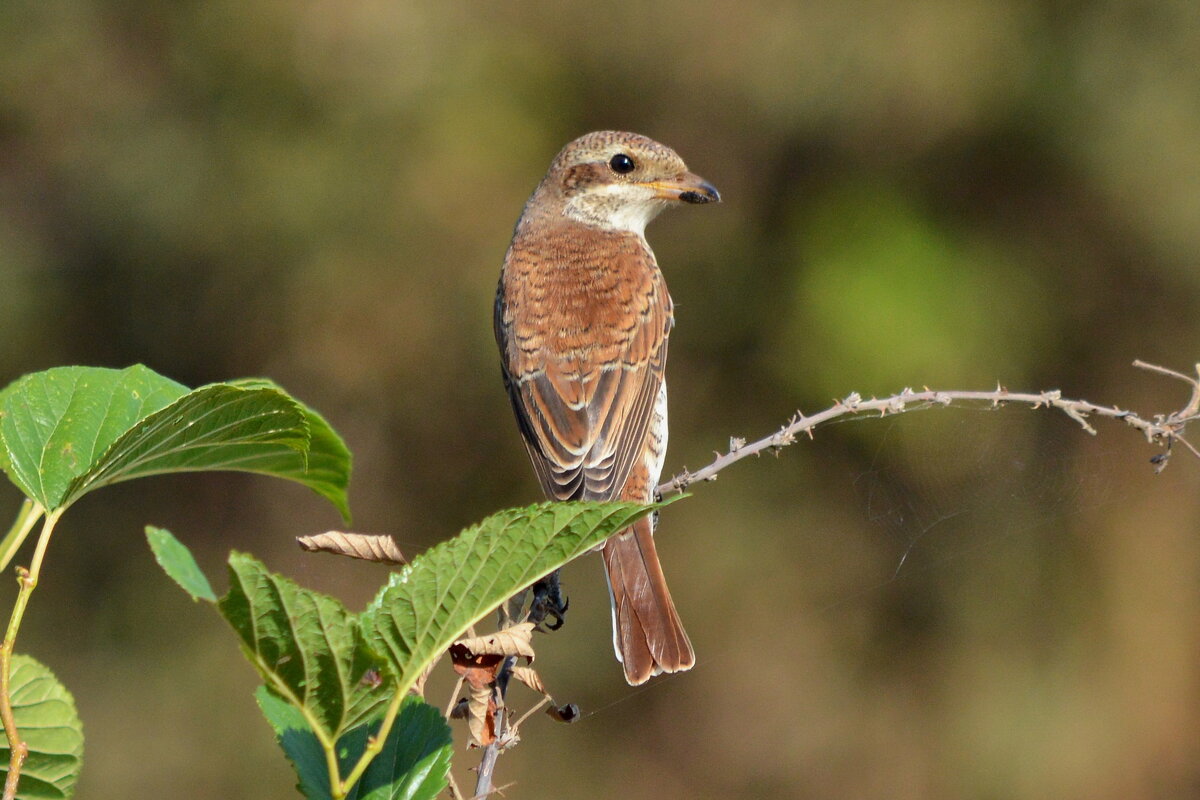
(582, 317)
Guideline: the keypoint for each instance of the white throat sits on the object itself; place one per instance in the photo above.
(618, 206)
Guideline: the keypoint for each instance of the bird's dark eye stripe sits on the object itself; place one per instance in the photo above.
(621, 164)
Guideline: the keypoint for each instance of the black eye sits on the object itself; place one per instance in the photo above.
(621, 164)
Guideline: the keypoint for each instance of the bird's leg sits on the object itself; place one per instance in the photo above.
(548, 603)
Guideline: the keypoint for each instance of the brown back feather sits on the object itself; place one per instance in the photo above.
(582, 319)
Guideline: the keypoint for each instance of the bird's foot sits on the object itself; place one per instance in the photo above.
(549, 604)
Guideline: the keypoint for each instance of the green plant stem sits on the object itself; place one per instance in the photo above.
(27, 517)
(327, 744)
(27, 580)
(374, 744)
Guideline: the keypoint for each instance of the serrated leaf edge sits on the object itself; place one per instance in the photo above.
(415, 669)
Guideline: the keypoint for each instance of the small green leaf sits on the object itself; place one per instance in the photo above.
(177, 561)
(307, 646)
(66, 431)
(432, 601)
(413, 764)
(49, 725)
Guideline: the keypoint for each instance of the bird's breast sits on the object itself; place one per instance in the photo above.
(576, 299)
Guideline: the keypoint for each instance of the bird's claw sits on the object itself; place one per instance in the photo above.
(548, 603)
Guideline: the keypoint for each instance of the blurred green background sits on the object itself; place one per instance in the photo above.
(954, 193)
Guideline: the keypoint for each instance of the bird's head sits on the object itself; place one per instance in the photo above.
(620, 181)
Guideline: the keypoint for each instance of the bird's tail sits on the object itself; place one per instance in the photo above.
(647, 634)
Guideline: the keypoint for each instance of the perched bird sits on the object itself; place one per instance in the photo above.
(582, 318)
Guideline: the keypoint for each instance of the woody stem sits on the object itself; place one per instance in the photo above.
(487, 764)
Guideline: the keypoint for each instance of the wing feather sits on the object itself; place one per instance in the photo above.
(584, 402)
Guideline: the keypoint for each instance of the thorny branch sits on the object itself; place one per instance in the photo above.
(1164, 429)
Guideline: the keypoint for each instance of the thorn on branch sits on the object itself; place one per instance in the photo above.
(896, 403)
(678, 483)
(1048, 399)
(1078, 416)
(800, 422)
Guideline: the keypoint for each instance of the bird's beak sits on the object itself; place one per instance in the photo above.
(686, 188)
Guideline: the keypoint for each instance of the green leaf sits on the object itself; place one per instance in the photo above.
(66, 431)
(307, 646)
(432, 601)
(326, 470)
(55, 425)
(413, 764)
(177, 561)
(49, 725)
(214, 427)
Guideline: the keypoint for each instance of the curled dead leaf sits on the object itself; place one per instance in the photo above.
(563, 713)
(477, 671)
(478, 659)
(514, 641)
(368, 547)
(529, 677)
(481, 716)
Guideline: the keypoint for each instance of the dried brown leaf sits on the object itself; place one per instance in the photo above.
(564, 713)
(478, 660)
(478, 671)
(514, 641)
(481, 716)
(529, 677)
(368, 547)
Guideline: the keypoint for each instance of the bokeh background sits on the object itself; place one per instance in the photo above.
(954, 193)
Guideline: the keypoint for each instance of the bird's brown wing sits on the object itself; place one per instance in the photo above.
(583, 377)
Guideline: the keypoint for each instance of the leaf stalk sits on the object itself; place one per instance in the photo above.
(31, 511)
(374, 744)
(27, 580)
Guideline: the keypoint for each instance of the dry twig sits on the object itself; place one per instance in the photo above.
(1164, 429)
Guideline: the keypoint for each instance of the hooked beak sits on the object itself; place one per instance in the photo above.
(686, 188)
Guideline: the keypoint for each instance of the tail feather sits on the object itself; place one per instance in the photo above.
(647, 633)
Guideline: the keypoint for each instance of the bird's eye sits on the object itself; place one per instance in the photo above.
(621, 164)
